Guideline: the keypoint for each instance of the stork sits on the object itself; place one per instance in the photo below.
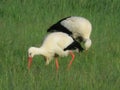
(55, 45)
(78, 27)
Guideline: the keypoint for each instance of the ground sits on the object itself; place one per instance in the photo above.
(24, 23)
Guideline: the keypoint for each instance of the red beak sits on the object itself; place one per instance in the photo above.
(29, 62)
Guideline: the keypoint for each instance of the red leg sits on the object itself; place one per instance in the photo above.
(73, 56)
(57, 64)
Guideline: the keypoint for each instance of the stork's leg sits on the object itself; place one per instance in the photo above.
(73, 56)
(57, 64)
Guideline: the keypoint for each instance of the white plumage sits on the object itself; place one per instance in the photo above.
(79, 27)
(53, 45)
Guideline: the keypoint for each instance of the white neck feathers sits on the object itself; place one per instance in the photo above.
(87, 44)
(37, 51)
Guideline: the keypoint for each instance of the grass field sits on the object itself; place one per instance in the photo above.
(23, 23)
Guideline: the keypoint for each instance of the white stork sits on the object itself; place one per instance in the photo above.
(78, 27)
(54, 45)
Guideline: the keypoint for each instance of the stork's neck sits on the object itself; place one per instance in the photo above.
(40, 51)
(87, 43)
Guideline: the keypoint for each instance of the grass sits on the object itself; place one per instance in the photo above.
(23, 23)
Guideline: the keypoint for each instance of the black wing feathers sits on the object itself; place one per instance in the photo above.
(57, 27)
(73, 46)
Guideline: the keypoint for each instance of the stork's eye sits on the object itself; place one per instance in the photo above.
(30, 54)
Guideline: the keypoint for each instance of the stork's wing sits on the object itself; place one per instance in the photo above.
(57, 27)
(73, 46)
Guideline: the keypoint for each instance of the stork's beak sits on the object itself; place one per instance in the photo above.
(29, 62)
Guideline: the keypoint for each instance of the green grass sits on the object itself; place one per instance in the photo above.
(23, 23)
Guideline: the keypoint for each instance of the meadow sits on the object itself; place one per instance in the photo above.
(23, 23)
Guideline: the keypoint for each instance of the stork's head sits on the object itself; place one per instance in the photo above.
(87, 44)
(31, 52)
